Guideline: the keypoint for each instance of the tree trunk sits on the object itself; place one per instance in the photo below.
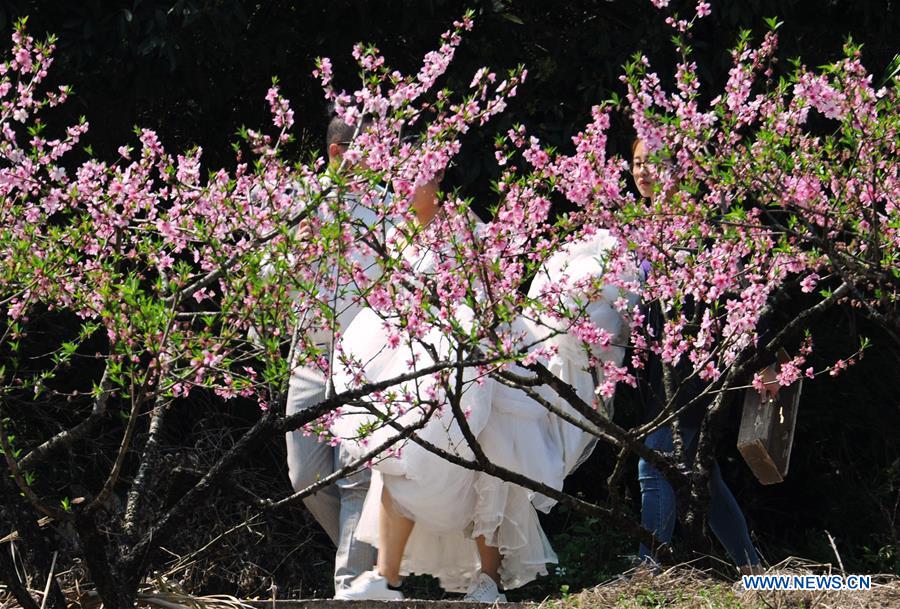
(108, 569)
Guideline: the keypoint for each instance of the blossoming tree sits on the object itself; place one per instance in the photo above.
(177, 280)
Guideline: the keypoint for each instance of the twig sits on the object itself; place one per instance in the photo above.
(214, 275)
(70, 436)
(9, 572)
(836, 553)
(49, 580)
(146, 470)
(346, 469)
(12, 554)
(20, 480)
(568, 393)
(582, 424)
(797, 321)
(120, 456)
(183, 560)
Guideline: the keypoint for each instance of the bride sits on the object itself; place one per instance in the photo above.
(474, 532)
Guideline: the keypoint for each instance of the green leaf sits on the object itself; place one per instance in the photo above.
(892, 70)
(773, 23)
(513, 18)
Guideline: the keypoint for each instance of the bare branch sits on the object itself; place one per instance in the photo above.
(269, 504)
(120, 456)
(22, 484)
(66, 438)
(146, 469)
(626, 524)
(795, 323)
(509, 380)
(623, 437)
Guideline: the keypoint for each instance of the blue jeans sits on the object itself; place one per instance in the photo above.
(658, 502)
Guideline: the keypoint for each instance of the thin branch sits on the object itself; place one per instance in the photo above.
(351, 467)
(268, 426)
(22, 484)
(819, 307)
(49, 581)
(66, 438)
(579, 505)
(884, 321)
(612, 482)
(14, 585)
(213, 276)
(120, 456)
(568, 393)
(146, 468)
(454, 398)
(507, 379)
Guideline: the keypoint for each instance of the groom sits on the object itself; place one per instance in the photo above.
(337, 507)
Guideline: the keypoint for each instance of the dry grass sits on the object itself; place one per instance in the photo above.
(166, 594)
(680, 587)
(684, 587)
(161, 593)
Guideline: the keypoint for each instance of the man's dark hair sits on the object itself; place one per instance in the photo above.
(338, 132)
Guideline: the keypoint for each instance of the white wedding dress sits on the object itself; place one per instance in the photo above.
(452, 505)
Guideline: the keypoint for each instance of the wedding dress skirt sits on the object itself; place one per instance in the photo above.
(439, 496)
(452, 505)
(524, 436)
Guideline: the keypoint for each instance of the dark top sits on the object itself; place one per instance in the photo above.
(652, 388)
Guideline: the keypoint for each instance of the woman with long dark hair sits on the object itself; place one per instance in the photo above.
(658, 509)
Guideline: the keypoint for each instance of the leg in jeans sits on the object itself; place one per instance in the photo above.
(353, 556)
(726, 520)
(657, 496)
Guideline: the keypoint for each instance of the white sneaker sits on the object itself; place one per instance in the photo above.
(369, 586)
(484, 590)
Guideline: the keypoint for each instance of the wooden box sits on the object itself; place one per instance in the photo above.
(767, 432)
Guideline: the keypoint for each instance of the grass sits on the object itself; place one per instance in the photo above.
(683, 587)
(679, 587)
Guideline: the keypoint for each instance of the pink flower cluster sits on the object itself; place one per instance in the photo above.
(227, 279)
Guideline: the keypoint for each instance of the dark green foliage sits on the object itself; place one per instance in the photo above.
(589, 550)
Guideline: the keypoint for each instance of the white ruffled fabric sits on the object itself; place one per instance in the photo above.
(577, 261)
(452, 505)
